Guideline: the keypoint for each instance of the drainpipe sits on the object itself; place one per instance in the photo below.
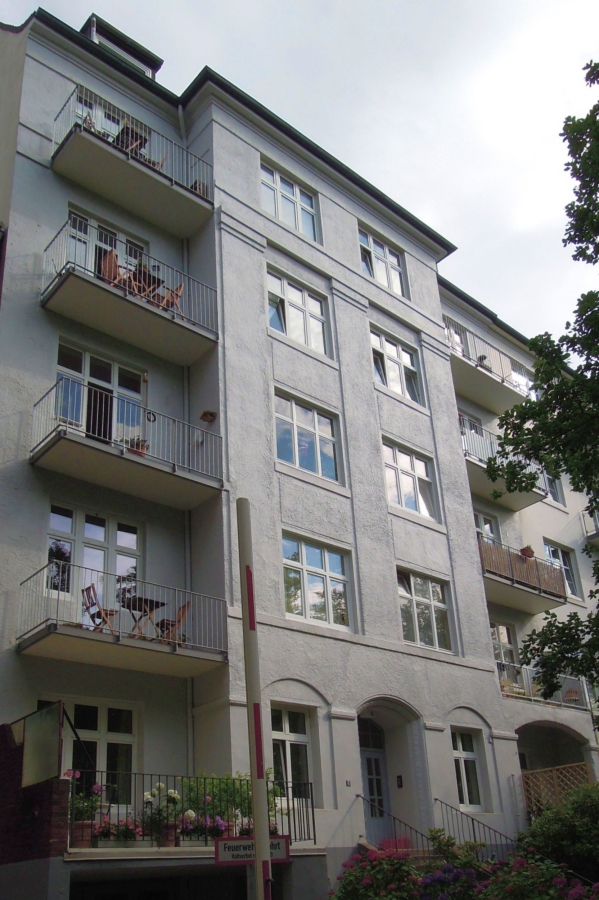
(92, 30)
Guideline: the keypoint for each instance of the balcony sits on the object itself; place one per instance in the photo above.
(483, 373)
(82, 615)
(479, 444)
(91, 434)
(591, 527)
(519, 683)
(116, 288)
(531, 585)
(119, 157)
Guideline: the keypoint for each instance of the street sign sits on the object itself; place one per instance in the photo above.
(241, 851)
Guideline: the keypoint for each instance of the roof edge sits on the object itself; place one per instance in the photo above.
(480, 308)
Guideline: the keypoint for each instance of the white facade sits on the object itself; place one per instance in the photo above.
(355, 465)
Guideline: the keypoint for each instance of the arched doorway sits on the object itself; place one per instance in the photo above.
(553, 762)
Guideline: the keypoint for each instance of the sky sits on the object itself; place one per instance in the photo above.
(451, 107)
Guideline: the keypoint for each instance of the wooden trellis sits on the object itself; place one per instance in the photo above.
(544, 788)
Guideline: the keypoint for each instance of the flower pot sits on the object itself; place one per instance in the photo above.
(138, 451)
(82, 834)
(169, 836)
(527, 553)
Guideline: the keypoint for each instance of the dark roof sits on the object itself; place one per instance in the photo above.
(112, 34)
(208, 76)
(484, 310)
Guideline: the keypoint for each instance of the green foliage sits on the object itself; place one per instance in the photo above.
(378, 873)
(465, 855)
(582, 138)
(570, 834)
(530, 877)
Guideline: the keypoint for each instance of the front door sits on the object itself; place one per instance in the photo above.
(374, 781)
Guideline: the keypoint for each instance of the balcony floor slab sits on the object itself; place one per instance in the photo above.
(98, 463)
(482, 387)
(504, 592)
(482, 487)
(71, 643)
(95, 164)
(112, 311)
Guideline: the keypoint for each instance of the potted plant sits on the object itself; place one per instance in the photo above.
(83, 809)
(527, 552)
(137, 445)
(248, 830)
(205, 830)
(119, 834)
(161, 816)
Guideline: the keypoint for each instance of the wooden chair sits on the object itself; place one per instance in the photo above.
(170, 629)
(111, 271)
(101, 618)
(89, 123)
(170, 299)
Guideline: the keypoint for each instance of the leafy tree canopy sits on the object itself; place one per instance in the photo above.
(557, 427)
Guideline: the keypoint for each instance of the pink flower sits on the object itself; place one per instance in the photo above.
(519, 863)
(97, 789)
(208, 799)
(366, 881)
(560, 882)
(576, 893)
(372, 854)
(347, 864)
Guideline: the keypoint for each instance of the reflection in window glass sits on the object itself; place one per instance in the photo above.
(424, 611)
(316, 586)
(306, 438)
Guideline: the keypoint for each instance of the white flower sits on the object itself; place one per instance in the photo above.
(153, 793)
(189, 814)
(159, 786)
(173, 795)
(147, 797)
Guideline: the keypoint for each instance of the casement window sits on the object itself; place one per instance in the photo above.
(486, 525)
(298, 313)
(466, 769)
(86, 548)
(306, 438)
(410, 480)
(90, 243)
(291, 749)
(382, 263)
(564, 559)
(424, 611)
(554, 486)
(316, 580)
(289, 202)
(505, 645)
(395, 366)
(99, 396)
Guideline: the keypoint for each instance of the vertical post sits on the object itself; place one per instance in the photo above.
(254, 703)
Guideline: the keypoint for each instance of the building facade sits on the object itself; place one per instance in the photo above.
(199, 304)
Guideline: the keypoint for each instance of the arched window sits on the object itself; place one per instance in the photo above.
(371, 735)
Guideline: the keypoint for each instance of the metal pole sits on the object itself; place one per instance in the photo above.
(254, 703)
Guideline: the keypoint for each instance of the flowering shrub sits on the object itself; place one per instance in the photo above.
(531, 877)
(84, 805)
(124, 830)
(194, 825)
(161, 809)
(379, 873)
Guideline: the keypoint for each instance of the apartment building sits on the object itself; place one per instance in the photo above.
(199, 304)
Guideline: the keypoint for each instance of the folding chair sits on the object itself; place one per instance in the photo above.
(171, 299)
(111, 271)
(99, 616)
(170, 628)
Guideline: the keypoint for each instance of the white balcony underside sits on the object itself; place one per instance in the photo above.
(106, 171)
(477, 384)
(97, 463)
(130, 319)
(504, 592)
(71, 643)
(482, 487)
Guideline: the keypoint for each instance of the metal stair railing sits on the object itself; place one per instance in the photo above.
(393, 834)
(462, 827)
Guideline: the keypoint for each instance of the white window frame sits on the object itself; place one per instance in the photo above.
(302, 313)
(460, 757)
(482, 521)
(106, 237)
(321, 437)
(503, 646)
(421, 470)
(396, 366)
(287, 738)
(556, 489)
(327, 575)
(564, 559)
(383, 263)
(287, 194)
(408, 584)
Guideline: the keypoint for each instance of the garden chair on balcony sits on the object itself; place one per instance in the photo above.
(170, 629)
(101, 618)
(111, 271)
(171, 299)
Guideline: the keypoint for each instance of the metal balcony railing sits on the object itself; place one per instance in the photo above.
(537, 574)
(110, 419)
(122, 605)
(480, 444)
(172, 810)
(85, 110)
(520, 682)
(470, 346)
(81, 247)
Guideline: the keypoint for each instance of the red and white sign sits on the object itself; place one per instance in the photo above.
(242, 852)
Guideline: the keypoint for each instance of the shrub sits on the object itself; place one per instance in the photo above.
(570, 834)
(531, 877)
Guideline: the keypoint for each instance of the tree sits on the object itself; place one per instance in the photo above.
(557, 427)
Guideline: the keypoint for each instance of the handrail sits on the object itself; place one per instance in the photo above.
(481, 444)
(125, 266)
(403, 836)
(519, 682)
(537, 574)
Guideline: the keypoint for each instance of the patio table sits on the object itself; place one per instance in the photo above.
(146, 607)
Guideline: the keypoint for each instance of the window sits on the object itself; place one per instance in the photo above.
(306, 438)
(382, 263)
(464, 758)
(298, 313)
(291, 748)
(316, 582)
(504, 643)
(288, 202)
(409, 480)
(91, 242)
(554, 486)
(564, 559)
(487, 526)
(395, 367)
(424, 611)
(85, 548)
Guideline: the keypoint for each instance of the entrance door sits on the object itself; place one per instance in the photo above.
(374, 780)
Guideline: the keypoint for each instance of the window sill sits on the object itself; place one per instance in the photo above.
(319, 357)
(395, 396)
(402, 513)
(313, 243)
(426, 647)
(317, 480)
(315, 623)
(578, 601)
(372, 280)
(561, 507)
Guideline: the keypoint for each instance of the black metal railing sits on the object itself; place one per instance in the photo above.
(390, 833)
(463, 828)
(122, 808)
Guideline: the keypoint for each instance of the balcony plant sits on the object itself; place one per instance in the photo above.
(197, 828)
(527, 552)
(82, 810)
(137, 445)
(161, 815)
(117, 834)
